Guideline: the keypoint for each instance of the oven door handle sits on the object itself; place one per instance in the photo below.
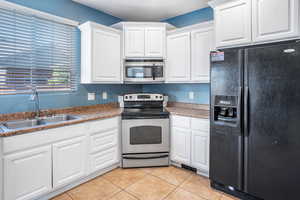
(139, 158)
(146, 117)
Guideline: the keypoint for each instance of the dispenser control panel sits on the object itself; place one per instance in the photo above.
(225, 109)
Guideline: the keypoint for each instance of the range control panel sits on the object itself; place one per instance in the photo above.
(225, 109)
(143, 97)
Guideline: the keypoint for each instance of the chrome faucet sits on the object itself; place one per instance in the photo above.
(35, 97)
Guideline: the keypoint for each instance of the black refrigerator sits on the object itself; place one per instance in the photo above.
(255, 121)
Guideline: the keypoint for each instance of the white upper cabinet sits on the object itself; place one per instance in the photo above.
(144, 39)
(27, 174)
(233, 23)
(145, 42)
(188, 54)
(247, 22)
(202, 43)
(178, 58)
(100, 54)
(155, 41)
(134, 42)
(275, 19)
(106, 56)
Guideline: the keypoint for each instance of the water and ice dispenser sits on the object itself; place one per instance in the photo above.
(226, 109)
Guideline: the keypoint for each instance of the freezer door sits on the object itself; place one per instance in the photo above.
(272, 121)
(226, 143)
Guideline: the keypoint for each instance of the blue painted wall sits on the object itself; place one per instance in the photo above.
(71, 10)
(180, 92)
(198, 16)
(74, 11)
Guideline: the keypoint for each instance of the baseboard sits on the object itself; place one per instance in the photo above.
(76, 183)
(199, 172)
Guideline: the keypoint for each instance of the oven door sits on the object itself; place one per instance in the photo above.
(145, 136)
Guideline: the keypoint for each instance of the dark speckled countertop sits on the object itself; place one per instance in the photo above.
(96, 112)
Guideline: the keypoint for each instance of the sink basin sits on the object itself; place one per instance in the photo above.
(22, 124)
(58, 118)
(31, 123)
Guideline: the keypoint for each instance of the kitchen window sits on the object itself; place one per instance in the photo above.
(36, 53)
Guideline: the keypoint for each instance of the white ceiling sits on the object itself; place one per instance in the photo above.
(145, 10)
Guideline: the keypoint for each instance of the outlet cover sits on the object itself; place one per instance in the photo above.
(91, 96)
(191, 95)
(104, 95)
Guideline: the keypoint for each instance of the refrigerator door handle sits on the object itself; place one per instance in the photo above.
(246, 110)
(239, 108)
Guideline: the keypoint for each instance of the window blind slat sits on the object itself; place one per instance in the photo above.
(36, 52)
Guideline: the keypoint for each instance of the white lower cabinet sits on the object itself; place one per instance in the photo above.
(104, 149)
(69, 161)
(103, 159)
(39, 163)
(27, 174)
(200, 150)
(190, 142)
(180, 144)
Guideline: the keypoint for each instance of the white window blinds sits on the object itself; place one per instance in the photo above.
(35, 52)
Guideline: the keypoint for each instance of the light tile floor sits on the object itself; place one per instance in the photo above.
(166, 183)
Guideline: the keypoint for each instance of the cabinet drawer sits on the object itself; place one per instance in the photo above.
(103, 140)
(200, 124)
(104, 159)
(103, 125)
(181, 122)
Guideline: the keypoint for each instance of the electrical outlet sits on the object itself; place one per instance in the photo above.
(191, 95)
(91, 96)
(104, 95)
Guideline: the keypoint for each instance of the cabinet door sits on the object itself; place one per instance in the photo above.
(106, 56)
(69, 161)
(275, 19)
(233, 23)
(155, 39)
(104, 159)
(134, 42)
(181, 145)
(202, 44)
(178, 58)
(200, 150)
(27, 174)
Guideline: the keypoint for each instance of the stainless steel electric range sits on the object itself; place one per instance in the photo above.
(145, 131)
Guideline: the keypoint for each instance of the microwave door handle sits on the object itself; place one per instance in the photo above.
(153, 72)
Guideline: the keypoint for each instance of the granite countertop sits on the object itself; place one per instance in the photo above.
(96, 112)
(85, 113)
(189, 110)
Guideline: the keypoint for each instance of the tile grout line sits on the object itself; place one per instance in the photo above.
(200, 195)
(177, 187)
(67, 192)
(204, 198)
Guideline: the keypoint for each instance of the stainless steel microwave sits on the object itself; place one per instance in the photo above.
(144, 71)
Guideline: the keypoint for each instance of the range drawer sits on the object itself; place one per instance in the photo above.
(103, 140)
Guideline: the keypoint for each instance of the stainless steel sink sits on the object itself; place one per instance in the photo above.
(22, 124)
(58, 118)
(31, 123)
